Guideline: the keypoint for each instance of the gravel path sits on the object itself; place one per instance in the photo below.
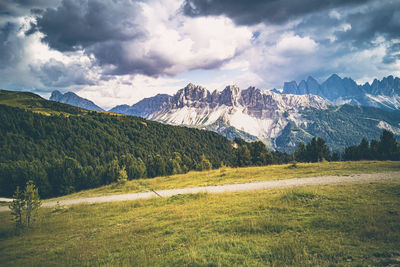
(294, 182)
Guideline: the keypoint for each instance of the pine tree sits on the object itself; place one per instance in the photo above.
(17, 207)
(243, 156)
(205, 164)
(387, 146)
(32, 202)
(300, 154)
(122, 176)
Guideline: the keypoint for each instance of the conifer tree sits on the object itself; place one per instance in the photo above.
(17, 207)
(205, 164)
(32, 202)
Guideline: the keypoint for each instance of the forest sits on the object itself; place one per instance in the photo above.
(65, 149)
(66, 153)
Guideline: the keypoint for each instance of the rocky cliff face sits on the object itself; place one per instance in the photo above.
(383, 94)
(74, 100)
(251, 113)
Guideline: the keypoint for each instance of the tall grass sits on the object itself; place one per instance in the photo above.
(355, 225)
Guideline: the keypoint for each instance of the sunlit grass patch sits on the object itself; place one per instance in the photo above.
(325, 225)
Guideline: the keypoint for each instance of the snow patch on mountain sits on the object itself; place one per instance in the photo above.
(390, 102)
(386, 126)
(259, 113)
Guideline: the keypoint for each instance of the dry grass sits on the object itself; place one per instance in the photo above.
(241, 175)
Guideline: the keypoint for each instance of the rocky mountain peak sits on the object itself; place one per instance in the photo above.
(230, 95)
(311, 79)
(302, 89)
(290, 87)
(334, 77)
(56, 95)
(73, 99)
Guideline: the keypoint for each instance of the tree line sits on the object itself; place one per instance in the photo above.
(386, 148)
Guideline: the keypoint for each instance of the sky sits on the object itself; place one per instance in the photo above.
(120, 51)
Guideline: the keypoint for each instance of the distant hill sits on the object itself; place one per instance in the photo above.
(32, 102)
(73, 99)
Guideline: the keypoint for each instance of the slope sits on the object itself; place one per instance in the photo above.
(71, 149)
(340, 126)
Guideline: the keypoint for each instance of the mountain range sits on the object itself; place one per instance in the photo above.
(338, 110)
(383, 93)
(73, 99)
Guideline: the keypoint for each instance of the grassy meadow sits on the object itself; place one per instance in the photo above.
(343, 225)
(228, 175)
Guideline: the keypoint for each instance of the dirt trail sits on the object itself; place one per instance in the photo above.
(293, 182)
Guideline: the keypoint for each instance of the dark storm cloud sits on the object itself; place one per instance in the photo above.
(79, 23)
(255, 11)
(10, 49)
(57, 74)
(99, 28)
(376, 20)
(23, 7)
(103, 28)
(393, 54)
(113, 53)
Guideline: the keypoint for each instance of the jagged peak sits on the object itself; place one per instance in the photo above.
(251, 89)
(70, 94)
(195, 87)
(390, 77)
(291, 82)
(334, 77)
(232, 88)
(302, 82)
(311, 79)
(55, 93)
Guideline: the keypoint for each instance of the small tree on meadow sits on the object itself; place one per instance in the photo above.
(17, 207)
(32, 202)
(25, 205)
(122, 176)
(205, 164)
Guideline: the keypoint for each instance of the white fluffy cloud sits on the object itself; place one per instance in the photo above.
(294, 44)
(174, 44)
(128, 89)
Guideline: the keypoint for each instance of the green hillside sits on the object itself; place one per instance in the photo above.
(35, 103)
(339, 126)
(66, 149)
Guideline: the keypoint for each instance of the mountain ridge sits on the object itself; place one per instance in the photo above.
(73, 99)
(281, 121)
(383, 93)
